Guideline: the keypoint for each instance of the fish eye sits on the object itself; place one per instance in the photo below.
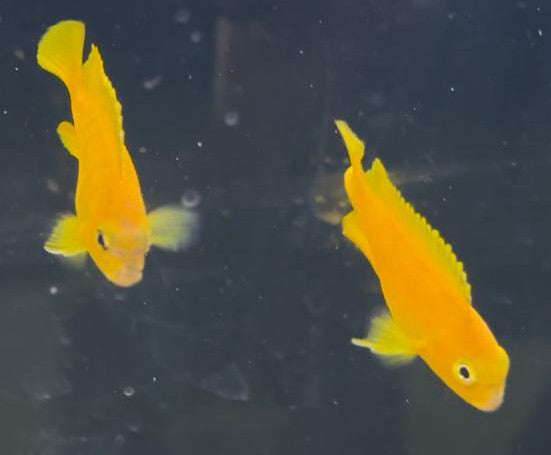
(464, 373)
(101, 240)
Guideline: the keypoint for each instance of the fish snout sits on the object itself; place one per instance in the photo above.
(127, 276)
(494, 400)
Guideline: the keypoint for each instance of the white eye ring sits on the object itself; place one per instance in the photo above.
(464, 373)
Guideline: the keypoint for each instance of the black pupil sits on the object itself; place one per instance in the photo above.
(101, 240)
(464, 372)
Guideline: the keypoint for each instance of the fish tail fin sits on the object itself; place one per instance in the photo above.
(60, 51)
(388, 341)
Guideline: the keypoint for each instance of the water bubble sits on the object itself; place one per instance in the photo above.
(128, 391)
(53, 290)
(152, 83)
(191, 199)
(231, 118)
(19, 53)
(53, 187)
(119, 439)
(199, 144)
(452, 89)
(142, 149)
(182, 16)
(196, 36)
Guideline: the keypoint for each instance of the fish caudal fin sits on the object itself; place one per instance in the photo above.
(353, 143)
(173, 228)
(388, 341)
(65, 238)
(60, 51)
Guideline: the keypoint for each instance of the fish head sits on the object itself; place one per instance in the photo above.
(118, 248)
(471, 363)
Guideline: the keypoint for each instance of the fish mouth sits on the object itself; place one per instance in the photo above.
(494, 401)
(127, 276)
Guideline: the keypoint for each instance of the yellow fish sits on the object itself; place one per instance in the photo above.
(111, 223)
(424, 285)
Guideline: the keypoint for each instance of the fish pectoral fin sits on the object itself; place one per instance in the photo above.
(352, 230)
(173, 228)
(66, 132)
(76, 261)
(65, 237)
(388, 341)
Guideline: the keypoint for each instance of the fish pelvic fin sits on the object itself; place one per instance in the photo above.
(375, 183)
(65, 238)
(66, 132)
(60, 51)
(388, 341)
(173, 228)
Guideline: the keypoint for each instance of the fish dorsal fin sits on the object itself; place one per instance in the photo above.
(388, 341)
(377, 182)
(104, 98)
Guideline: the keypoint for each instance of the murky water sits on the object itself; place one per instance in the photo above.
(241, 345)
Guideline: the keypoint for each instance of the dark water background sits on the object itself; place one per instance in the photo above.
(241, 344)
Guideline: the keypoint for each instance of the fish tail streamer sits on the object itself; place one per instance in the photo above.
(60, 51)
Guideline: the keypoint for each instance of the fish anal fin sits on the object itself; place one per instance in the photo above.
(173, 228)
(66, 132)
(352, 230)
(65, 237)
(388, 341)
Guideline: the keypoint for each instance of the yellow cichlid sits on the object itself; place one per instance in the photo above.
(111, 223)
(424, 285)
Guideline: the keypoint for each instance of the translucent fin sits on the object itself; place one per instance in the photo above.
(377, 182)
(65, 238)
(386, 340)
(76, 261)
(100, 88)
(66, 132)
(60, 51)
(353, 232)
(173, 228)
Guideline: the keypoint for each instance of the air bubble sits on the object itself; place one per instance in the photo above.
(191, 199)
(231, 118)
(129, 391)
(182, 16)
(196, 36)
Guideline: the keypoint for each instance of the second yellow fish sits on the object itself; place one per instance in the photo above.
(424, 285)
(110, 223)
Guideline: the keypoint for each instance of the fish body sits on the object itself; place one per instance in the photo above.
(426, 291)
(111, 223)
